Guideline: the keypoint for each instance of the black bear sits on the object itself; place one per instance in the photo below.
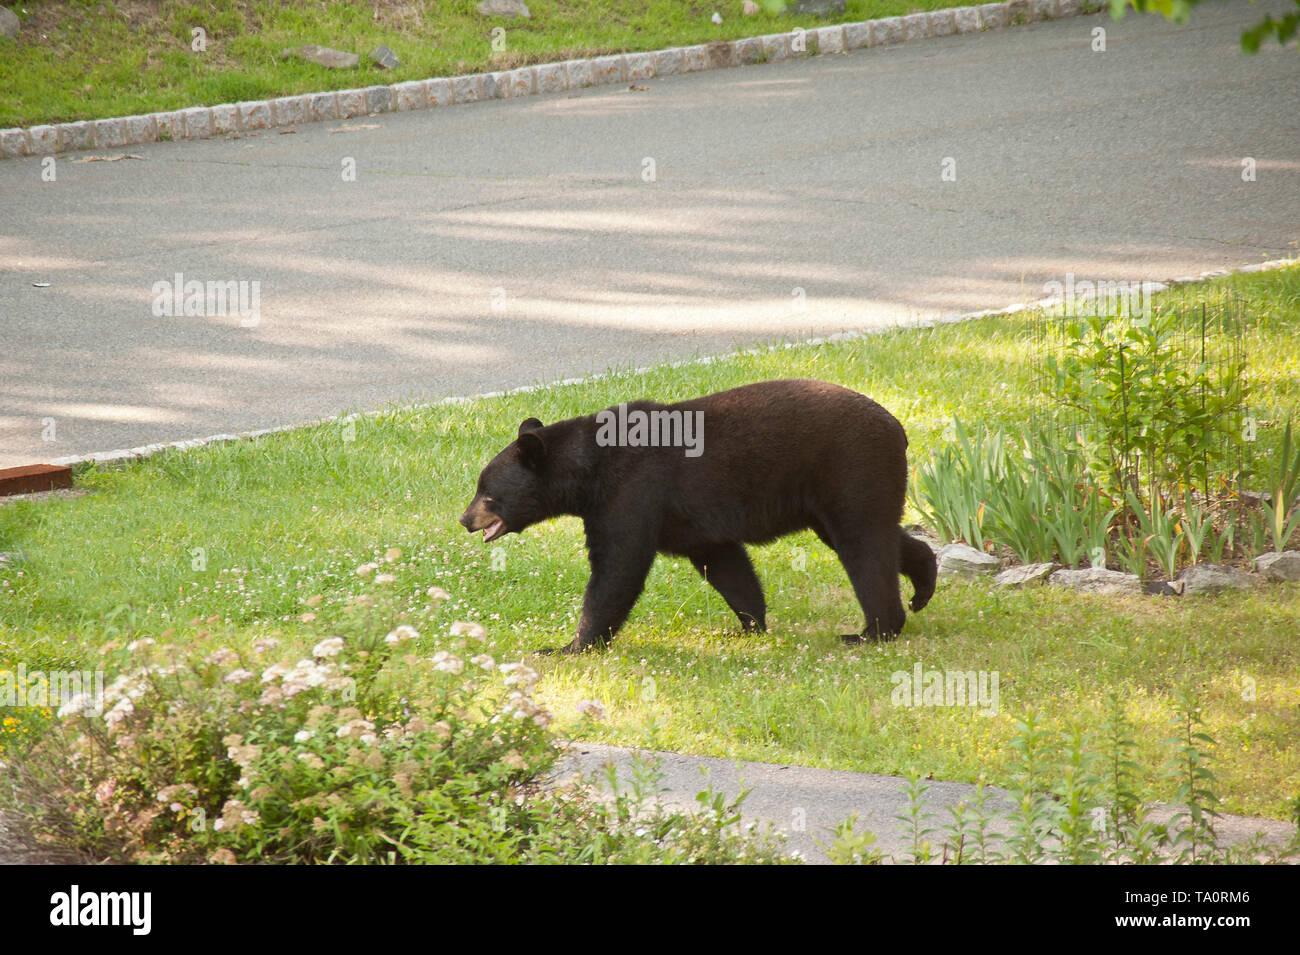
(701, 479)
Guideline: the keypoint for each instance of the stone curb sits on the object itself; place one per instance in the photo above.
(207, 122)
(126, 455)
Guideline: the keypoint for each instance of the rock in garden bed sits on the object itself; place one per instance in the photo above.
(1023, 574)
(1097, 580)
(1279, 566)
(962, 560)
(1213, 579)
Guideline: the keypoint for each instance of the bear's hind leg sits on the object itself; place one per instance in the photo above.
(728, 568)
(871, 560)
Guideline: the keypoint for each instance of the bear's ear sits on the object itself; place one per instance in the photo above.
(529, 424)
(532, 449)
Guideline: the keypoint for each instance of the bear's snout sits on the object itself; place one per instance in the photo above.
(478, 518)
(471, 515)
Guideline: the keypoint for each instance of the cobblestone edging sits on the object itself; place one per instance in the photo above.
(126, 455)
(206, 122)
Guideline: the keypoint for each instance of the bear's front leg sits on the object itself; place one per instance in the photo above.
(620, 560)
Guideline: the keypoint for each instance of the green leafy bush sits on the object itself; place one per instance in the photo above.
(1034, 498)
(1148, 403)
(1139, 462)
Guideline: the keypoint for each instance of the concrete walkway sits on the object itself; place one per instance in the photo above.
(806, 804)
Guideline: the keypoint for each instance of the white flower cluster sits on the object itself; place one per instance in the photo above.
(593, 708)
(520, 704)
(235, 814)
(401, 635)
(519, 674)
(358, 728)
(304, 675)
(119, 696)
(445, 662)
(329, 647)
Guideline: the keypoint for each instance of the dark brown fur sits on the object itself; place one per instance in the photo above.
(778, 457)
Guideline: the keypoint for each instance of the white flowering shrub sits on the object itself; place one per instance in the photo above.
(358, 750)
(231, 756)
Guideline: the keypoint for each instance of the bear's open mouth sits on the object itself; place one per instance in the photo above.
(494, 530)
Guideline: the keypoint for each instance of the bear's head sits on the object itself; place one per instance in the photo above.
(511, 493)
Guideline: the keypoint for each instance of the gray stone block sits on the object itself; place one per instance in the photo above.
(857, 36)
(290, 110)
(776, 47)
(579, 73)
(198, 123)
(523, 82)
(379, 99)
(1043, 9)
(721, 55)
(551, 78)
(225, 119)
(803, 42)
(467, 89)
(351, 103)
(640, 67)
(13, 143)
(888, 31)
(1068, 8)
(695, 59)
(412, 95)
(109, 133)
(916, 27)
(324, 107)
(608, 69)
(441, 92)
(830, 40)
(255, 114)
(966, 19)
(76, 136)
(748, 51)
(140, 129)
(43, 140)
(170, 125)
(941, 23)
(668, 62)
(993, 16)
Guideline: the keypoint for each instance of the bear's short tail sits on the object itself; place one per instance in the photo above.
(917, 562)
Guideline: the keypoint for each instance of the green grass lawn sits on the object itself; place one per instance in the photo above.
(83, 59)
(226, 544)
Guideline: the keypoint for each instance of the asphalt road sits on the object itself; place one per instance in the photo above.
(512, 242)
